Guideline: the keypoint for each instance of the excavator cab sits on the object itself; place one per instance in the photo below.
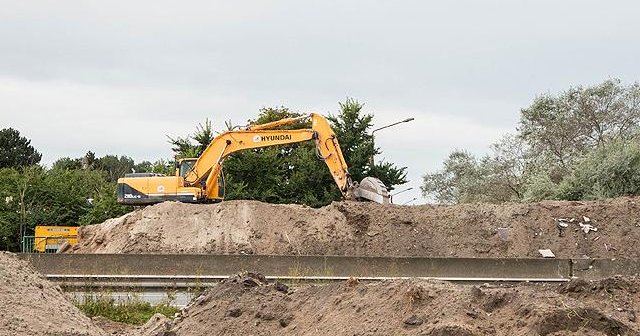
(183, 166)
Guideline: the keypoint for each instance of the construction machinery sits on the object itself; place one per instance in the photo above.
(49, 238)
(200, 180)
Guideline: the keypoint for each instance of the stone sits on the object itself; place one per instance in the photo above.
(546, 253)
(413, 320)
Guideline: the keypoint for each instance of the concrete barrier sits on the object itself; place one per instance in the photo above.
(602, 268)
(298, 266)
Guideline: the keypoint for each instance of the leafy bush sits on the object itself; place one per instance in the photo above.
(608, 171)
(132, 310)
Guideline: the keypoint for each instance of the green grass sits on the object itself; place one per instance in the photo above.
(131, 311)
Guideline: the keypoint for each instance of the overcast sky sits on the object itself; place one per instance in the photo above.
(116, 77)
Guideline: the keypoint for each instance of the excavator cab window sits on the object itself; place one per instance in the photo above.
(186, 165)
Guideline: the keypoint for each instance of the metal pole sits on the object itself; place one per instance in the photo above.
(399, 192)
(383, 127)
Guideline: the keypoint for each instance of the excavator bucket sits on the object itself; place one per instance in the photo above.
(372, 189)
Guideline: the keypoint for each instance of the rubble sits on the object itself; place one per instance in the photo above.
(546, 253)
(586, 228)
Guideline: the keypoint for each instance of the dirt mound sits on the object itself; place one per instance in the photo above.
(582, 288)
(597, 229)
(416, 307)
(30, 305)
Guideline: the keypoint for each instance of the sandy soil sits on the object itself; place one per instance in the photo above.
(413, 307)
(30, 305)
(351, 228)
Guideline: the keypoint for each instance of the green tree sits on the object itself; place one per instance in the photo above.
(606, 171)
(59, 196)
(114, 166)
(67, 163)
(163, 166)
(11, 216)
(185, 148)
(353, 129)
(264, 174)
(560, 129)
(578, 144)
(16, 151)
(498, 177)
(103, 206)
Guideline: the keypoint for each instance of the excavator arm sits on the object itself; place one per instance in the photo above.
(207, 167)
(201, 182)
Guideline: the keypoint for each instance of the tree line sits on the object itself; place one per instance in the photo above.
(79, 191)
(580, 144)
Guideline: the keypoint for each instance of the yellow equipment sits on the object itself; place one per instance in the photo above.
(48, 238)
(200, 180)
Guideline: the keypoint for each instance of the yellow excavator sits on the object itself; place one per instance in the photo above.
(200, 180)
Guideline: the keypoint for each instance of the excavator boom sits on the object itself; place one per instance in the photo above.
(202, 182)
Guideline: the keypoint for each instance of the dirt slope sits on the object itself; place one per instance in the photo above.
(351, 228)
(414, 307)
(30, 305)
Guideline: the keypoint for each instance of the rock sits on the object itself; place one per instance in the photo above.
(547, 253)
(413, 320)
(280, 287)
(249, 279)
(587, 227)
(574, 286)
(503, 233)
(476, 292)
(234, 312)
(352, 282)
(167, 333)
(157, 324)
(472, 313)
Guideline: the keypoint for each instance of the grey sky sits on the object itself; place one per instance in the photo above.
(115, 77)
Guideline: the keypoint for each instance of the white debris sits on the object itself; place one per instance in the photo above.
(587, 227)
(546, 253)
(586, 219)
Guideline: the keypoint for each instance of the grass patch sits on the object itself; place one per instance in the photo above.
(131, 310)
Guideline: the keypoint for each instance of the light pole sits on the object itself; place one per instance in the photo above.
(399, 192)
(383, 127)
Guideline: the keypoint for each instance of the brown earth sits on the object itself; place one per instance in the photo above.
(114, 328)
(412, 307)
(369, 229)
(30, 305)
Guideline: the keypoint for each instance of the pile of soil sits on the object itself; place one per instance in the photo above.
(610, 228)
(30, 305)
(417, 307)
